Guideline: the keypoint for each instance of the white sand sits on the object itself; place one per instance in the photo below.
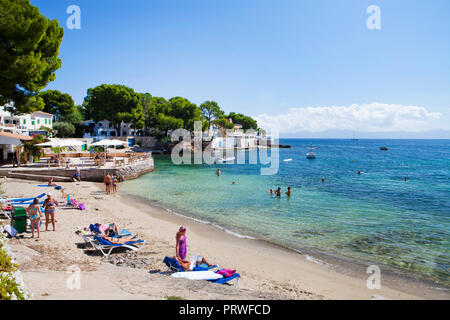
(267, 271)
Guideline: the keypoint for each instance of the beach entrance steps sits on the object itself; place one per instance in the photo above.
(37, 177)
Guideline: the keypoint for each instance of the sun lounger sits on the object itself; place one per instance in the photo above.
(106, 247)
(20, 200)
(174, 266)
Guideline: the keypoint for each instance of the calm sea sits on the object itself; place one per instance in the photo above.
(375, 216)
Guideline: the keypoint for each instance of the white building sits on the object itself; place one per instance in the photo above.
(26, 125)
(106, 129)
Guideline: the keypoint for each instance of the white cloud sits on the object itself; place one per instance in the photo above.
(373, 117)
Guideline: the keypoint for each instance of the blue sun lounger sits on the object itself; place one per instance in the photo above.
(106, 247)
(122, 233)
(174, 266)
(21, 200)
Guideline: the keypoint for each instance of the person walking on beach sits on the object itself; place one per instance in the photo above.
(181, 249)
(34, 211)
(107, 181)
(50, 208)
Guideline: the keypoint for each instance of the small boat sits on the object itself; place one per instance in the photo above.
(287, 160)
(222, 160)
(384, 149)
(310, 154)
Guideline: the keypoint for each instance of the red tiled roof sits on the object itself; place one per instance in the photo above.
(15, 136)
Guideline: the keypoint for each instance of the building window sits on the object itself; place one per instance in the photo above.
(38, 121)
(32, 123)
(24, 121)
(45, 121)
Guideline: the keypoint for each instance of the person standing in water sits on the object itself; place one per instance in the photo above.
(278, 192)
(218, 172)
(288, 193)
(181, 249)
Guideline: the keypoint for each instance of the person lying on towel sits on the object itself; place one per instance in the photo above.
(122, 240)
(196, 260)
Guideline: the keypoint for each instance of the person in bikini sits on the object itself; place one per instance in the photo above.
(50, 208)
(35, 214)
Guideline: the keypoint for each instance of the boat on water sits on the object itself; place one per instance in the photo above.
(311, 154)
(223, 160)
(384, 149)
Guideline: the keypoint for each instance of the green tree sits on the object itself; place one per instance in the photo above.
(210, 110)
(165, 123)
(58, 103)
(115, 103)
(64, 129)
(29, 48)
(182, 108)
(223, 123)
(246, 121)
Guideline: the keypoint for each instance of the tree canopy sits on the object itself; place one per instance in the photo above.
(210, 110)
(246, 121)
(185, 110)
(57, 103)
(64, 129)
(115, 103)
(29, 49)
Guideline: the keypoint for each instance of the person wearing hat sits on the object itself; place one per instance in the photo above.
(181, 249)
(50, 208)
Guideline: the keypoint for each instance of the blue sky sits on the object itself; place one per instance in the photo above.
(270, 59)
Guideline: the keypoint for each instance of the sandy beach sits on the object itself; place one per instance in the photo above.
(267, 271)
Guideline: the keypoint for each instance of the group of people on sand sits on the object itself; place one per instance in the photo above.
(35, 214)
(111, 182)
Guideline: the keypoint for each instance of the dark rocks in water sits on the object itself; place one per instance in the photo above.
(282, 146)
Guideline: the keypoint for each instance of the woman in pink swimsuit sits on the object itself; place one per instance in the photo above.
(180, 248)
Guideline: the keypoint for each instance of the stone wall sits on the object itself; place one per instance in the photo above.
(127, 172)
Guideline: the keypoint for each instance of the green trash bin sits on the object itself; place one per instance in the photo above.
(19, 219)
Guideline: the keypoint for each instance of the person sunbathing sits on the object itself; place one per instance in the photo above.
(122, 240)
(196, 260)
(109, 231)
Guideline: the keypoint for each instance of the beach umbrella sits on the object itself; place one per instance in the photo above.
(109, 143)
(61, 143)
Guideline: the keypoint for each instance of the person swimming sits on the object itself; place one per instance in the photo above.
(271, 191)
(323, 179)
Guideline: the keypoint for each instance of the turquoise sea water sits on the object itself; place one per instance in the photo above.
(375, 216)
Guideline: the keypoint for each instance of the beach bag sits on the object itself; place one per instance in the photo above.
(81, 206)
(226, 272)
